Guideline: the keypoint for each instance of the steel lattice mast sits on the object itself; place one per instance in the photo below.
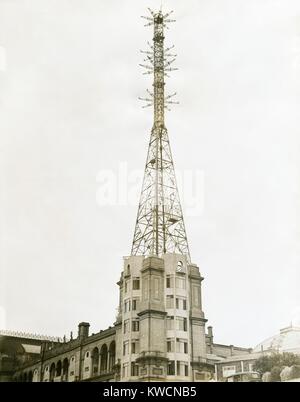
(159, 226)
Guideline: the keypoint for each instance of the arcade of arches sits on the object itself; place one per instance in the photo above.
(99, 361)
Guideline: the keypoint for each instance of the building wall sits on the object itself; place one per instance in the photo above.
(163, 325)
(90, 359)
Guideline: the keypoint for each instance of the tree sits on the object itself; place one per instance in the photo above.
(275, 374)
(295, 372)
(275, 362)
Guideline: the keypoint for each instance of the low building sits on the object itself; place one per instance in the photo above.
(286, 341)
(86, 358)
(18, 349)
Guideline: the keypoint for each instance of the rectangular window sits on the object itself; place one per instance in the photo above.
(170, 301)
(126, 326)
(186, 370)
(134, 304)
(185, 347)
(135, 325)
(126, 306)
(169, 282)
(136, 284)
(180, 323)
(170, 345)
(178, 368)
(178, 344)
(181, 346)
(170, 323)
(171, 368)
(180, 303)
(135, 347)
(125, 348)
(134, 369)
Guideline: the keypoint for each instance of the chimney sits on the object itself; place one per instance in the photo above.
(83, 330)
(210, 334)
(44, 347)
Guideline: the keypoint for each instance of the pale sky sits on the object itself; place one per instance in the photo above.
(69, 83)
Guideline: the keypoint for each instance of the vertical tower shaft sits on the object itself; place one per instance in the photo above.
(158, 64)
(159, 226)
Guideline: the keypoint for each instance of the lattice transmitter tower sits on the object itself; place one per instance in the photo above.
(159, 225)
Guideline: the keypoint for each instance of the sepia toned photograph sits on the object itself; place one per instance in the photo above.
(149, 193)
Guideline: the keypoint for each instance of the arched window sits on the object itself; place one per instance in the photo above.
(52, 372)
(65, 369)
(180, 266)
(36, 375)
(103, 354)
(112, 355)
(58, 368)
(44, 374)
(95, 361)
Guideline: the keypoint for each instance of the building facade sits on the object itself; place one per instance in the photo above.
(162, 324)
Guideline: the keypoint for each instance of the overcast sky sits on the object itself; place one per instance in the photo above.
(69, 83)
